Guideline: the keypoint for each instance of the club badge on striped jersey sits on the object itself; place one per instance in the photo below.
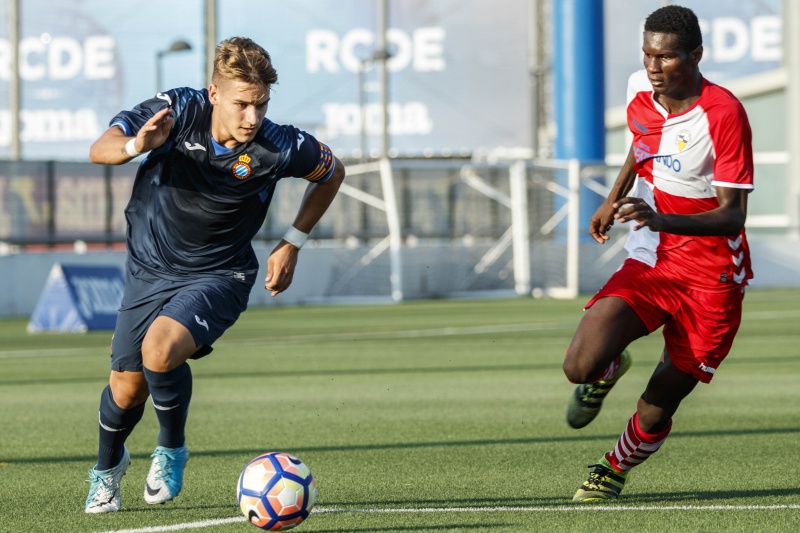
(241, 169)
(683, 139)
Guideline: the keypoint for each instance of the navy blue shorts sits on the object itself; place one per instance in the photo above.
(206, 304)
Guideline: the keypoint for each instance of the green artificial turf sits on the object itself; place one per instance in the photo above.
(421, 416)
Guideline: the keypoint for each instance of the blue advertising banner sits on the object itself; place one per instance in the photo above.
(78, 298)
(459, 72)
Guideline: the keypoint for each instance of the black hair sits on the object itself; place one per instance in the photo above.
(677, 20)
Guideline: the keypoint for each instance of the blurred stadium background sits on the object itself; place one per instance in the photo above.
(459, 182)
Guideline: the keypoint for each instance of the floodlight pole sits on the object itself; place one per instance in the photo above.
(15, 151)
(381, 57)
(791, 63)
(536, 70)
(211, 38)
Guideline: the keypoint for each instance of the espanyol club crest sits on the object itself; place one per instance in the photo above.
(241, 169)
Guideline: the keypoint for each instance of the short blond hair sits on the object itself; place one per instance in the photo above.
(242, 59)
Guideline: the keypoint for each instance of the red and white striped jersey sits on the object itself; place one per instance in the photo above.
(680, 160)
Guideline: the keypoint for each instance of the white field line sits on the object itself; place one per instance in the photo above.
(557, 509)
(401, 334)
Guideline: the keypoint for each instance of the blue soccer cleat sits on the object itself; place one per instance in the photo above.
(104, 490)
(165, 479)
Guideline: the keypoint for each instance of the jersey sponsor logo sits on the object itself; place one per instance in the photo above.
(194, 146)
(708, 369)
(669, 162)
(641, 151)
(201, 322)
(164, 96)
(300, 139)
(241, 169)
(639, 126)
(683, 139)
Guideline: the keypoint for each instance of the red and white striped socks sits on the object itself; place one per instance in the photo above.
(634, 446)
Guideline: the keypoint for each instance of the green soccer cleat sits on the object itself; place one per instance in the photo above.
(604, 483)
(588, 398)
(104, 490)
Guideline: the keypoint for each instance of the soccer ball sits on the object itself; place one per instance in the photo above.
(276, 491)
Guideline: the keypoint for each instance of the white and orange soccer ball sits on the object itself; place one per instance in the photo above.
(276, 491)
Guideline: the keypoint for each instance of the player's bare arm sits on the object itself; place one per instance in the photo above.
(283, 259)
(602, 220)
(109, 148)
(727, 219)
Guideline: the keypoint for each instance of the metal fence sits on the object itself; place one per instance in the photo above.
(52, 203)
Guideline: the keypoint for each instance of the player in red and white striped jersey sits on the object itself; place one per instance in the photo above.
(684, 187)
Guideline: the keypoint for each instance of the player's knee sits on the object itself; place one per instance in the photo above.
(128, 389)
(160, 357)
(652, 418)
(575, 368)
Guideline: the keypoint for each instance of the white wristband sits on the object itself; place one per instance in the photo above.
(130, 147)
(295, 237)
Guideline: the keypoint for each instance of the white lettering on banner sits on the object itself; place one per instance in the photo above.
(52, 125)
(99, 57)
(98, 296)
(767, 39)
(429, 56)
(411, 118)
(422, 50)
(61, 58)
(732, 39)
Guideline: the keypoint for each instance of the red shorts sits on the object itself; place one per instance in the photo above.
(699, 326)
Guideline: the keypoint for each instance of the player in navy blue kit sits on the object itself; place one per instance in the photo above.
(200, 196)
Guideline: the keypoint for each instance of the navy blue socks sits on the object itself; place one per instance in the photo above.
(171, 393)
(116, 425)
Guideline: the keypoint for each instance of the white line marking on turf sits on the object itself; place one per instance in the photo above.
(557, 509)
(178, 527)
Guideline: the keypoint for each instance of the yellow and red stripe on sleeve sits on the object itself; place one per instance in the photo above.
(324, 167)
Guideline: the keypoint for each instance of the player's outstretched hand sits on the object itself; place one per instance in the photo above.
(630, 208)
(601, 222)
(280, 268)
(156, 130)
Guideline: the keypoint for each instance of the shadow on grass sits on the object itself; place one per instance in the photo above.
(199, 376)
(465, 503)
(689, 496)
(660, 498)
(414, 528)
(252, 452)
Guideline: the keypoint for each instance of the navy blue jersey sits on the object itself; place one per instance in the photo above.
(195, 205)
